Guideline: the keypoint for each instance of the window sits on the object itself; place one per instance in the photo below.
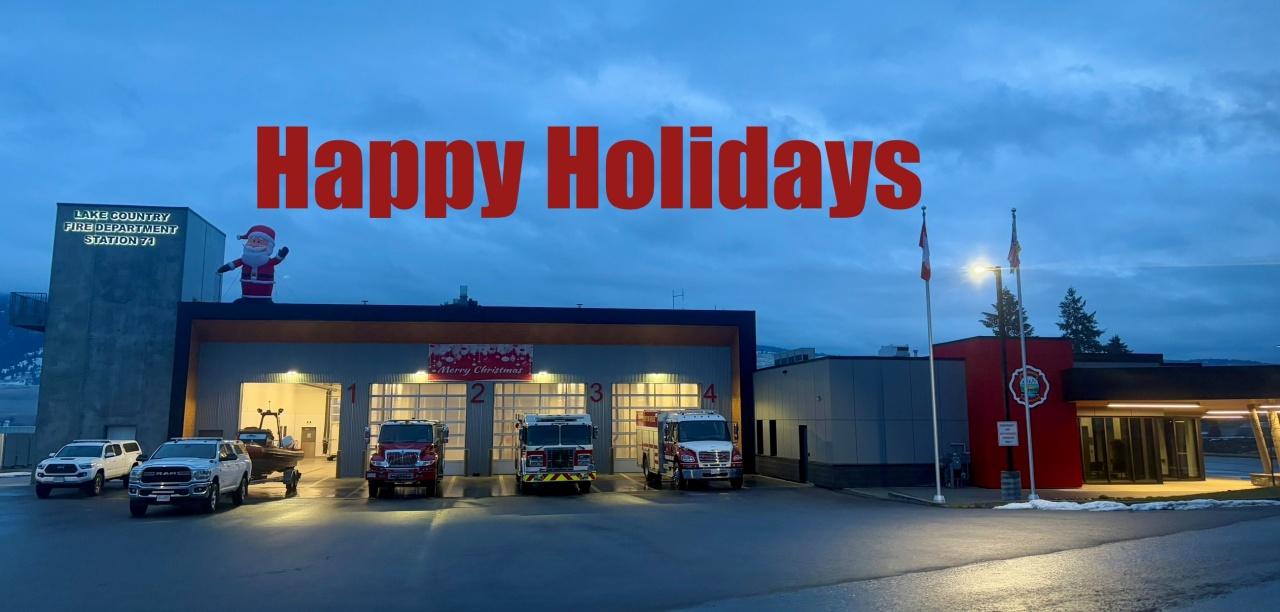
(444, 402)
(1119, 449)
(703, 431)
(516, 399)
(132, 447)
(630, 399)
(114, 450)
(81, 450)
(406, 432)
(193, 450)
(1180, 452)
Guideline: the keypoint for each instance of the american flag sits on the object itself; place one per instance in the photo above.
(925, 271)
(1015, 249)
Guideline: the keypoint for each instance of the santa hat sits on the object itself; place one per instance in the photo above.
(263, 232)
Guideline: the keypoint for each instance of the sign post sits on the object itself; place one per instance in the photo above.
(1010, 481)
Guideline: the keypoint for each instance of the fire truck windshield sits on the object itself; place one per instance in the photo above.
(405, 433)
(577, 435)
(542, 435)
(703, 431)
(568, 435)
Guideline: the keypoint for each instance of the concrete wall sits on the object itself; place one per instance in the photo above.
(108, 347)
(223, 367)
(862, 412)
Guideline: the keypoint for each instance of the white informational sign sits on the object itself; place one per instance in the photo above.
(1007, 432)
(127, 228)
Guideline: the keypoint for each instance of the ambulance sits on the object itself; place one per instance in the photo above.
(686, 447)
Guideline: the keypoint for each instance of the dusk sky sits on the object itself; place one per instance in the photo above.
(1140, 143)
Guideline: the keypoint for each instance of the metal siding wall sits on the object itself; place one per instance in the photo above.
(224, 366)
(790, 395)
(874, 411)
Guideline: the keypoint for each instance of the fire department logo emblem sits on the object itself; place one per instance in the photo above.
(1037, 386)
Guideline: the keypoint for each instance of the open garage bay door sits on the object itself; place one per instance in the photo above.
(511, 399)
(631, 398)
(445, 402)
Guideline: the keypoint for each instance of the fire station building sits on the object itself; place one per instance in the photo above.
(140, 344)
(1098, 419)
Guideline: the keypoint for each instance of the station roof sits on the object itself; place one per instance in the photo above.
(1239, 383)
(337, 323)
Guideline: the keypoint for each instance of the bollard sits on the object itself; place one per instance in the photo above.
(1010, 485)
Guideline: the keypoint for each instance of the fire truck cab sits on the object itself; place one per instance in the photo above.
(410, 453)
(686, 446)
(555, 449)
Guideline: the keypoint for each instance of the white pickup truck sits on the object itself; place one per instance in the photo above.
(191, 471)
(87, 465)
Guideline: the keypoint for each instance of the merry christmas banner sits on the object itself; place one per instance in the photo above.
(480, 362)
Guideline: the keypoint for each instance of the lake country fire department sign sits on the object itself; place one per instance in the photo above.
(1037, 385)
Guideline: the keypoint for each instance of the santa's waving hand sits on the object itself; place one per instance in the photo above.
(257, 266)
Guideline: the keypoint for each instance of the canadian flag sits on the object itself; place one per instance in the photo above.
(925, 271)
(1015, 248)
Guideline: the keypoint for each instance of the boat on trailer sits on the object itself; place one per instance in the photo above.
(268, 453)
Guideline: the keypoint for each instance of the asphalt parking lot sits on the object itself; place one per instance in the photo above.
(772, 545)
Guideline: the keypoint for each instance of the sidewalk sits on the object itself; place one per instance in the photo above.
(974, 497)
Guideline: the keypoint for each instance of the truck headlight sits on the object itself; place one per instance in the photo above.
(378, 463)
(427, 461)
(84, 466)
(201, 474)
(136, 474)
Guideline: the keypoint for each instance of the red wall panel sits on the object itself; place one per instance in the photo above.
(1055, 427)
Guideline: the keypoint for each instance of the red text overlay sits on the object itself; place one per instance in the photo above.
(688, 170)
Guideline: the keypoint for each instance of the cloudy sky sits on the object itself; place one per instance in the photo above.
(1139, 142)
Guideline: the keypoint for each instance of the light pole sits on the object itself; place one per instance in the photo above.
(1010, 474)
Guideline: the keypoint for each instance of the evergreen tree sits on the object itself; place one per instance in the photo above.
(1010, 305)
(1078, 324)
(1116, 346)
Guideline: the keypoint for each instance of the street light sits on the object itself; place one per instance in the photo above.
(976, 273)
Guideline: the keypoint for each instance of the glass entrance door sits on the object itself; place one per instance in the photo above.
(1119, 449)
(1180, 453)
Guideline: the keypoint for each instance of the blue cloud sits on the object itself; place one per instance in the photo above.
(1138, 141)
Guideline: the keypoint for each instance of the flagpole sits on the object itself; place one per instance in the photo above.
(1022, 342)
(933, 384)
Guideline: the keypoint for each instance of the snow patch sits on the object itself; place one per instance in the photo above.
(1111, 506)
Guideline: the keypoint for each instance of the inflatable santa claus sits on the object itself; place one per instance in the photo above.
(257, 266)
